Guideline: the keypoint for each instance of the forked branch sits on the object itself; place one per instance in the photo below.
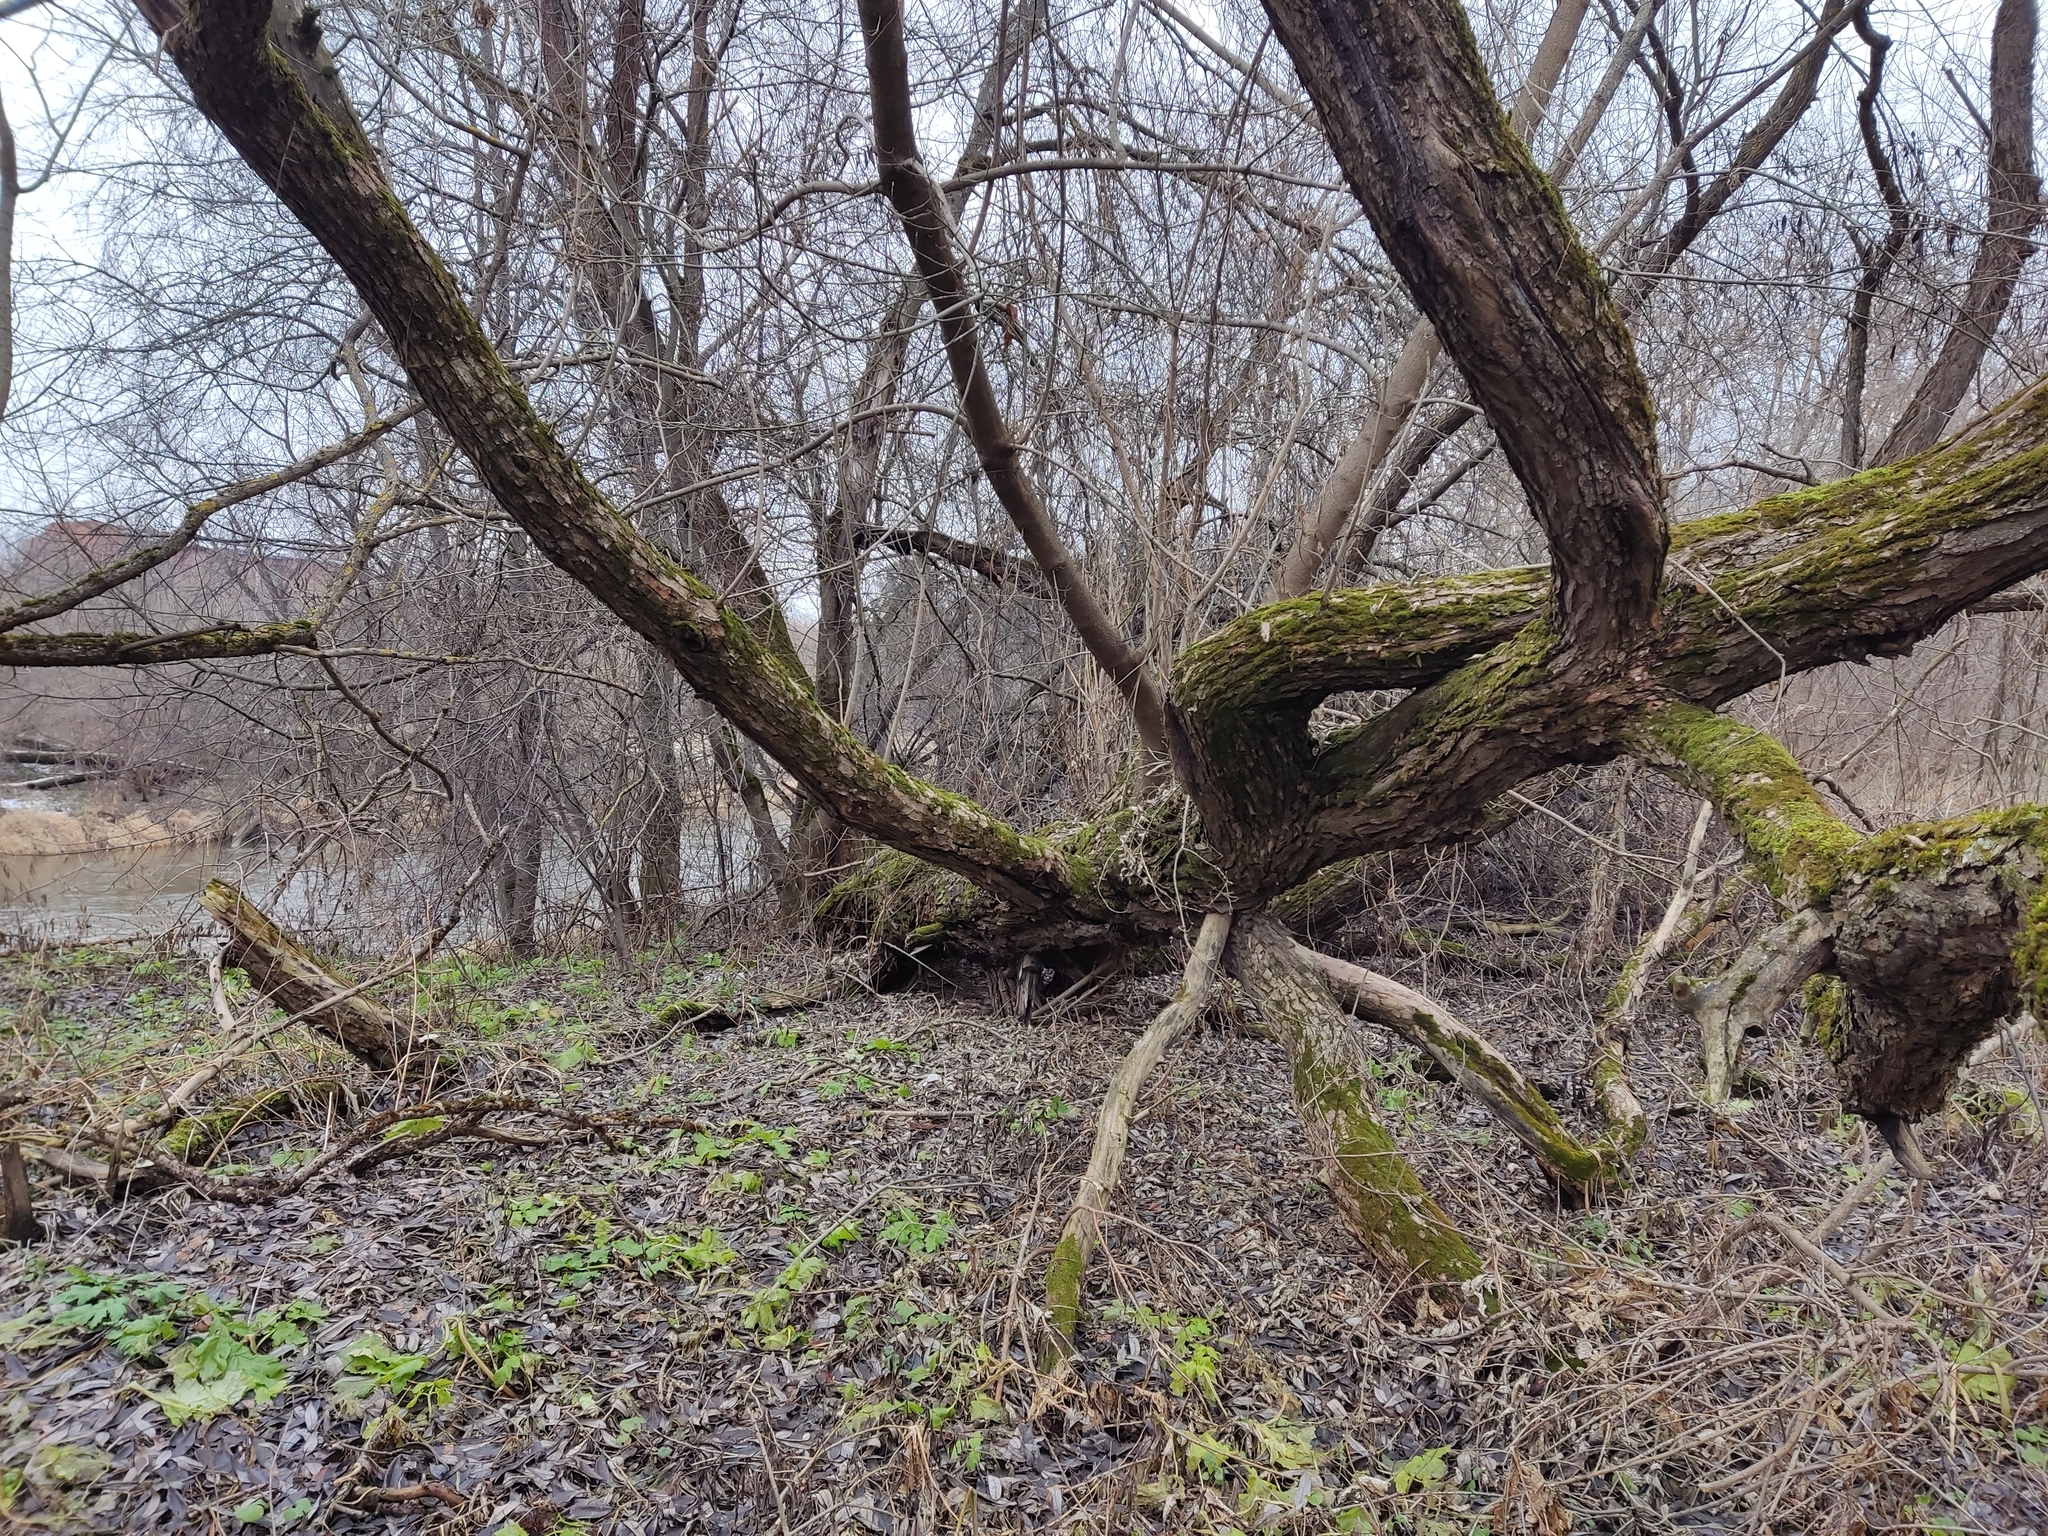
(1485, 249)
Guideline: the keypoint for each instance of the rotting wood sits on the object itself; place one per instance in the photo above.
(281, 970)
(18, 1223)
(1068, 1272)
(196, 1138)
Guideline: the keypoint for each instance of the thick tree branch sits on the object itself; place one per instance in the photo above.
(219, 642)
(1478, 235)
(928, 223)
(271, 89)
(1865, 566)
(1322, 528)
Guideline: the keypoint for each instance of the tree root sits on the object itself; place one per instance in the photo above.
(1474, 1065)
(1067, 1273)
(1381, 1199)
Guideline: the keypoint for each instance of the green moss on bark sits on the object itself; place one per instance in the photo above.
(1371, 1180)
(1063, 1278)
(1825, 1002)
(1800, 845)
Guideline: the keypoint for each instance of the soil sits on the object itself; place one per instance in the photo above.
(789, 1282)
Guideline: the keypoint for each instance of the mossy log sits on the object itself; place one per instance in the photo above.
(1067, 1273)
(1473, 1064)
(712, 1015)
(282, 970)
(1382, 1201)
(197, 1138)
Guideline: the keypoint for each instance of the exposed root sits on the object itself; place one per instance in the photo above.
(1372, 1184)
(1740, 1001)
(1068, 1271)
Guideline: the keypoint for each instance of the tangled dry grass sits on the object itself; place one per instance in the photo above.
(806, 1303)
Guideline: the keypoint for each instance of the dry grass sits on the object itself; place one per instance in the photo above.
(1668, 1361)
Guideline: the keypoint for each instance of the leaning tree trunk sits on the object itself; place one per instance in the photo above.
(1068, 1272)
(282, 970)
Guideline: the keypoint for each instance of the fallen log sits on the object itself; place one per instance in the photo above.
(197, 1138)
(284, 972)
(708, 1017)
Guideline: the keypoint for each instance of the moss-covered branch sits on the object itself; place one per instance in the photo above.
(1471, 1059)
(1382, 1200)
(282, 970)
(216, 642)
(1935, 932)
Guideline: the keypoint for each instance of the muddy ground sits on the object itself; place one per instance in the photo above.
(783, 1278)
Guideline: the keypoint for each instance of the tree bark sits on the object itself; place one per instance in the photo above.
(2012, 198)
(1474, 1064)
(1322, 532)
(1482, 243)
